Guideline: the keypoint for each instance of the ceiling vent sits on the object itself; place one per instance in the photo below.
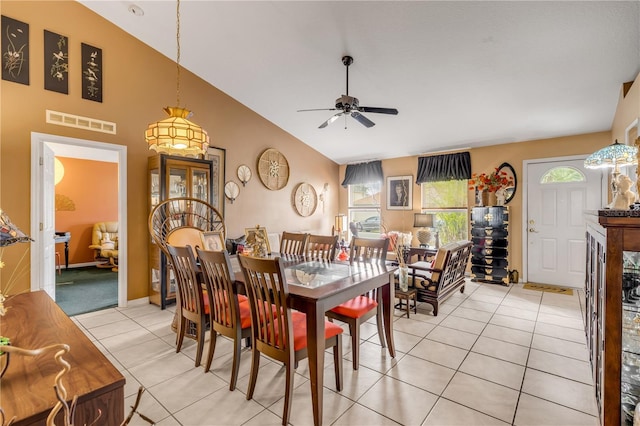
(77, 121)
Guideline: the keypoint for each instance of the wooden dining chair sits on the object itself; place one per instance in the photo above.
(229, 312)
(321, 247)
(194, 304)
(361, 308)
(293, 243)
(282, 337)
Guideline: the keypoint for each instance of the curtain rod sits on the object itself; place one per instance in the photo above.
(448, 151)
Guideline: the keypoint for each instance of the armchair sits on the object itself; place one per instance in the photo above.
(104, 242)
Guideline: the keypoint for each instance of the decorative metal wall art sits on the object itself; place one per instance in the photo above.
(91, 73)
(56, 62)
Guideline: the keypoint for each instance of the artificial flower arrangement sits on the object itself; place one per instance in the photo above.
(490, 182)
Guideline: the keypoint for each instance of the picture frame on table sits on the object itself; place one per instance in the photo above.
(400, 192)
(258, 232)
(212, 241)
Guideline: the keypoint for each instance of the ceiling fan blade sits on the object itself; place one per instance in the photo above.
(317, 109)
(379, 110)
(329, 121)
(362, 119)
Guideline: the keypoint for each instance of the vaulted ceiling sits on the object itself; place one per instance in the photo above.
(461, 74)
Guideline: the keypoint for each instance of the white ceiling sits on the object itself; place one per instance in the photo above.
(461, 74)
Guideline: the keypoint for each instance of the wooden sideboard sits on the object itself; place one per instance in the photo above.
(26, 390)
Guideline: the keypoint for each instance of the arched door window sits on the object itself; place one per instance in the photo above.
(562, 174)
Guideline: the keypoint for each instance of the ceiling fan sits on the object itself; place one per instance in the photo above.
(349, 105)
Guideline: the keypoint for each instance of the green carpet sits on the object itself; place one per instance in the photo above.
(82, 290)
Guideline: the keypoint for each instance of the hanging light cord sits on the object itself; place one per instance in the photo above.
(178, 54)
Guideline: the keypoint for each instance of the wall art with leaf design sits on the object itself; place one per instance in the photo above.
(92, 73)
(15, 50)
(56, 62)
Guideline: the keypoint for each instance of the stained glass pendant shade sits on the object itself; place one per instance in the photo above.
(176, 135)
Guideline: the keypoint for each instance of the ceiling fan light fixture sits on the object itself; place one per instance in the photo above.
(176, 135)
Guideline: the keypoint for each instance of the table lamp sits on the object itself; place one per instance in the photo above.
(339, 227)
(614, 155)
(424, 221)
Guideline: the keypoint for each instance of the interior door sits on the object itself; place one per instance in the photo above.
(47, 230)
(558, 193)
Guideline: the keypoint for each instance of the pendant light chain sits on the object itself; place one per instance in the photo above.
(178, 54)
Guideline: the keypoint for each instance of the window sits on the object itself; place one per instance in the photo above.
(364, 210)
(448, 200)
(562, 175)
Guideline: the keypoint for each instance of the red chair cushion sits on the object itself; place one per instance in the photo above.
(356, 307)
(245, 314)
(299, 321)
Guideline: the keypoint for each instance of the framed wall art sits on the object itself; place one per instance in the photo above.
(15, 50)
(257, 235)
(212, 241)
(217, 156)
(92, 72)
(400, 193)
(56, 62)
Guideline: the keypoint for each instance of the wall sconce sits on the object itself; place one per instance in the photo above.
(58, 170)
(424, 221)
(323, 195)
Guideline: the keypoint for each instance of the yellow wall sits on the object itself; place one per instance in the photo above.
(138, 83)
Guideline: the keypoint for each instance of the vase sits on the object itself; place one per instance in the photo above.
(489, 198)
(478, 198)
(403, 278)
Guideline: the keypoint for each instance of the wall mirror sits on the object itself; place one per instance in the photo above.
(511, 173)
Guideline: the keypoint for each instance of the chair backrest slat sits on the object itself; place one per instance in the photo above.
(217, 271)
(321, 247)
(370, 250)
(190, 294)
(293, 243)
(267, 292)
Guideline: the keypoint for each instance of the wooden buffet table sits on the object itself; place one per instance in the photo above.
(26, 390)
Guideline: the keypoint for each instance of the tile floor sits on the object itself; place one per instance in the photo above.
(493, 356)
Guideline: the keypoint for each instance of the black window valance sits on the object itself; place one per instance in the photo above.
(361, 173)
(438, 168)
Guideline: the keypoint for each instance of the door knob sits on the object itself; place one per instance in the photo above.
(533, 230)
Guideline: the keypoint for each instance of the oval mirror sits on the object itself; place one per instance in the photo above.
(511, 174)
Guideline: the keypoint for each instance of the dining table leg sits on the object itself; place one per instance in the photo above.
(387, 312)
(315, 351)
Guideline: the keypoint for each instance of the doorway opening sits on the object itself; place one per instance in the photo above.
(44, 148)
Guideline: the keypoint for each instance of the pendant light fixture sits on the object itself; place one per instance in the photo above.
(176, 135)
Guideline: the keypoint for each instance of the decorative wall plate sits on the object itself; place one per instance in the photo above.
(273, 169)
(305, 199)
(231, 190)
(244, 174)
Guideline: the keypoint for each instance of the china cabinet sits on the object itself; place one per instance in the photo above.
(490, 250)
(612, 314)
(172, 177)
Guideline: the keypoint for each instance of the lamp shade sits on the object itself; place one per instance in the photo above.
(422, 220)
(176, 135)
(613, 155)
(341, 223)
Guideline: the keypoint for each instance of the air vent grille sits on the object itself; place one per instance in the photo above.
(70, 120)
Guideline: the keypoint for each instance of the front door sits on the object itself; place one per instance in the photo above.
(558, 193)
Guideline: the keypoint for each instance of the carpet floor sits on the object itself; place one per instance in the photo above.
(548, 287)
(82, 290)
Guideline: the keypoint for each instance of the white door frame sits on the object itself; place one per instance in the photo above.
(525, 203)
(37, 142)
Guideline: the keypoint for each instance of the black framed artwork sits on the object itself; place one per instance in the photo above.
(15, 50)
(92, 73)
(56, 62)
(399, 192)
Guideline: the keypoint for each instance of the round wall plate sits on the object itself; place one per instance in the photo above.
(244, 174)
(305, 199)
(231, 190)
(273, 169)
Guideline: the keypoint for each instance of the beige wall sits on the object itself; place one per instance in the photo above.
(138, 83)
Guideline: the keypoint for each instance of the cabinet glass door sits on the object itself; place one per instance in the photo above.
(630, 389)
(177, 182)
(200, 184)
(154, 188)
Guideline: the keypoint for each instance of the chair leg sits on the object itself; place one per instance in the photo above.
(182, 328)
(337, 361)
(237, 342)
(200, 337)
(212, 348)
(354, 329)
(380, 327)
(288, 394)
(255, 364)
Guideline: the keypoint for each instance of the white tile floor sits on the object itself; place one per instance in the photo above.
(493, 356)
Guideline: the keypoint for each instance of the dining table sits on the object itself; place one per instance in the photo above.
(318, 286)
